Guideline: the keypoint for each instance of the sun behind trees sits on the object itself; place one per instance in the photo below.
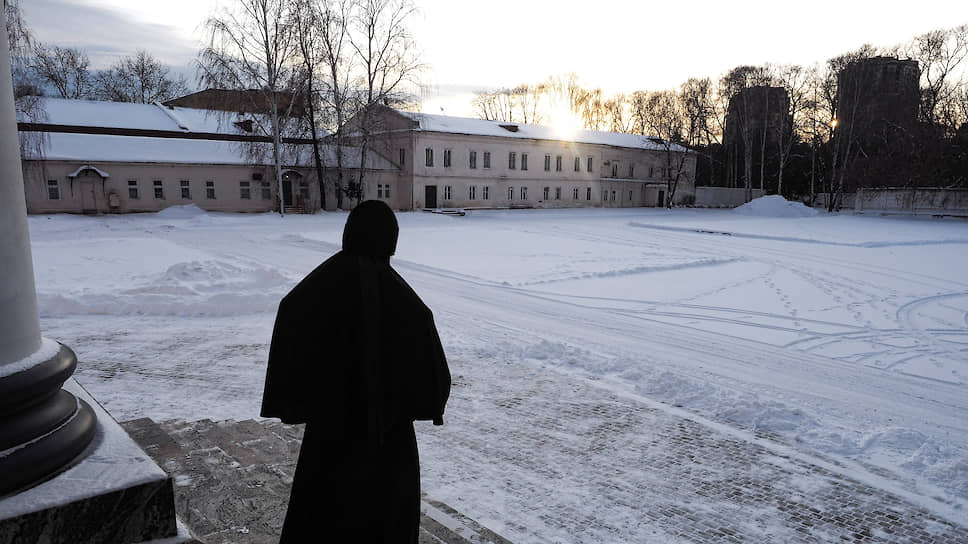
(792, 156)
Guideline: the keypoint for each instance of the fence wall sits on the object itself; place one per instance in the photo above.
(723, 197)
(915, 201)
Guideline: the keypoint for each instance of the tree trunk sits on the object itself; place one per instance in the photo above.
(766, 122)
(275, 152)
(320, 178)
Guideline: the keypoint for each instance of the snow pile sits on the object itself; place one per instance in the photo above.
(774, 206)
(188, 211)
(209, 288)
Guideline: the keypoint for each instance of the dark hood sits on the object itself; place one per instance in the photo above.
(371, 230)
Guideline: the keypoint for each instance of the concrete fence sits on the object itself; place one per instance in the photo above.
(723, 197)
(928, 201)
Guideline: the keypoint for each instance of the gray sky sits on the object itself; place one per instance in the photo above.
(620, 46)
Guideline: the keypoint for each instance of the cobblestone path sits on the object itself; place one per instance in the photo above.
(607, 458)
(682, 479)
(232, 481)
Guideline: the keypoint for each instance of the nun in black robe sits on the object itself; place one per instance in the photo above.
(355, 356)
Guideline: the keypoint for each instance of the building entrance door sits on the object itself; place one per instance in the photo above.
(286, 191)
(430, 196)
(661, 200)
(88, 198)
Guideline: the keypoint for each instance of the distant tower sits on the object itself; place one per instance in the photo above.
(876, 98)
(754, 121)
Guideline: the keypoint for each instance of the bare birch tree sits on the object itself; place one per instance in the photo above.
(794, 79)
(28, 99)
(67, 69)
(253, 47)
(388, 61)
(140, 78)
(661, 119)
(741, 111)
(939, 54)
(310, 25)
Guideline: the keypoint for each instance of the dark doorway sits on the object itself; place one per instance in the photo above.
(661, 201)
(287, 191)
(430, 196)
(289, 179)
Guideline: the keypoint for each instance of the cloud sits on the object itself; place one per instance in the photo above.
(104, 34)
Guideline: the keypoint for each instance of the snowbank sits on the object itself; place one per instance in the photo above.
(187, 211)
(774, 206)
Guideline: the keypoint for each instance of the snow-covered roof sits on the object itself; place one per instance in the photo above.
(90, 113)
(107, 148)
(157, 117)
(480, 127)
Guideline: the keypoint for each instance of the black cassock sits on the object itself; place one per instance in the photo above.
(356, 356)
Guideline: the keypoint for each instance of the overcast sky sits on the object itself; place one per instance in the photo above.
(620, 46)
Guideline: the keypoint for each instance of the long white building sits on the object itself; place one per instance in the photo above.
(467, 163)
(107, 157)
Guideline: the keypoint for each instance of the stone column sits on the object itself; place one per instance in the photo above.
(42, 427)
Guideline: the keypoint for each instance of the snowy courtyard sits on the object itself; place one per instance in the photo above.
(840, 339)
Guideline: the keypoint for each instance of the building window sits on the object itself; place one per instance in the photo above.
(430, 156)
(386, 191)
(304, 189)
(245, 192)
(558, 163)
(651, 172)
(547, 192)
(524, 193)
(446, 158)
(159, 189)
(605, 195)
(472, 192)
(574, 193)
(613, 195)
(210, 189)
(403, 156)
(631, 171)
(524, 161)
(577, 164)
(547, 164)
(379, 190)
(487, 159)
(510, 193)
(133, 189)
(614, 169)
(447, 192)
(472, 161)
(512, 160)
(589, 164)
(486, 192)
(588, 193)
(630, 195)
(266, 191)
(53, 189)
(557, 193)
(186, 188)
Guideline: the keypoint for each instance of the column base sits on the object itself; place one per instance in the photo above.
(114, 493)
(44, 427)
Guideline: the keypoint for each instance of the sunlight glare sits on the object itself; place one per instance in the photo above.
(564, 121)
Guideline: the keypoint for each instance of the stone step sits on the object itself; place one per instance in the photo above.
(232, 481)
(114, 493)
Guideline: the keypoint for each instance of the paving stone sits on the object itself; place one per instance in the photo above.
(232, 481)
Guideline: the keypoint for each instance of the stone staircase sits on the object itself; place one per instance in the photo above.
(232, 481)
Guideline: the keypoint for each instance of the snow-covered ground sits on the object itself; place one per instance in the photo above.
(844, 336)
